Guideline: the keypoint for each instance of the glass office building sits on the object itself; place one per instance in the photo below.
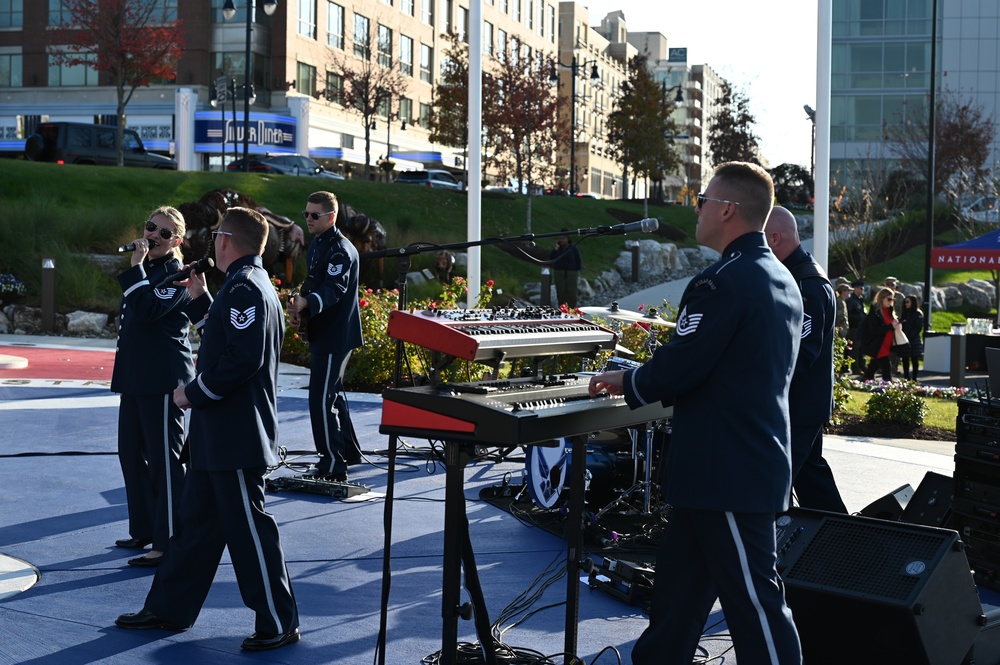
(881, 65)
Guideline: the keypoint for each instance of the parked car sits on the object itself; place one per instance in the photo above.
(83, 143)
(289, 164)
(983, 209)
(556, 191)
(430, 178)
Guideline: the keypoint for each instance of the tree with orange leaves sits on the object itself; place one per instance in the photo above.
(132, 42)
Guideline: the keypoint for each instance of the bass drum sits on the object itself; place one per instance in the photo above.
(545, 470)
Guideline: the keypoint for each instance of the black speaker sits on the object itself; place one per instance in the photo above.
(930, 504)
(890, 506)
(871, 591)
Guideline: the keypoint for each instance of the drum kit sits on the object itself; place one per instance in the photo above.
(621, 463)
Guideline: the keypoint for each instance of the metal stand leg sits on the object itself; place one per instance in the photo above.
(645, 436)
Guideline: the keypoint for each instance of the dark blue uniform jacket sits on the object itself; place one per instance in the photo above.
(235, 420)
(334, 324)
(727, 371)
(153, 355)
(811, 398)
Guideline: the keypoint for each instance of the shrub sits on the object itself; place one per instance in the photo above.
(895, 406)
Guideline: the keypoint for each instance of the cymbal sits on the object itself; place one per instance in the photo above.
(614, 312)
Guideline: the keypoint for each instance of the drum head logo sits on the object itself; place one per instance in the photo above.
(546, 472)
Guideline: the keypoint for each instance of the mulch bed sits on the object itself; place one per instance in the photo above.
(854, 425)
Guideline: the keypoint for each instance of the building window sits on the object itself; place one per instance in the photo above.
(362, 28)
(406, 6)
(406, 110)
(406, 55)
(426, 63)
(10, 70)
(502, 44)
(531, 15)
(504, 6)
(307, 18)
(517, 10)
(347, 141)
(449, 9)
(334, 88)
(305, 79)
(487, 38)
(427, 11)
(388, 2)
(168, 9)
(384, 46)
(58, 15)
(63, 75)
(463, 24)
(335, 25)
(11, 13)
(552, 23)
(425, 115)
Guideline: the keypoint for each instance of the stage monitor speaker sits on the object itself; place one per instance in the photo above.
(890, 506)
(871, 591)
(930, 504)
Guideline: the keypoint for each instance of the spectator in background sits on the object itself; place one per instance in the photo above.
(566, 266)
(843, 292)
(877, 334)
(855, 317)
(913, 326)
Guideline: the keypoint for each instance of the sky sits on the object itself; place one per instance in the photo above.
(767, 49)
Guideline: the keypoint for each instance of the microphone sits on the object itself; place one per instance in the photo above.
(131, 246)
(201, 266)
(647, 225)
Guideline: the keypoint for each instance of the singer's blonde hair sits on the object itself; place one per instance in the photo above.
(180, 226)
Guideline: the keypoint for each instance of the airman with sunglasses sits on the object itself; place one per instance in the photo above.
(329, 297)
(153, 358)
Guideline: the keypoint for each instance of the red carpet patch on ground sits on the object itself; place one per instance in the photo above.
(60, 363)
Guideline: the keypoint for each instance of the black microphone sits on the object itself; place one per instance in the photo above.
(647, 225)
(200, 267)
(131, 246)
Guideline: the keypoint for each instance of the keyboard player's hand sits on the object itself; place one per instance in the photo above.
(607, 381)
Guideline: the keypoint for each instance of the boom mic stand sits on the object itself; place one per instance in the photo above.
(455, 459)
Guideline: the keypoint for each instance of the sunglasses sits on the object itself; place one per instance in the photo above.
(702, 198)
(315, 215)
(165, 233)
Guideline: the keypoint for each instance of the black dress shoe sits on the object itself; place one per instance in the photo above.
(263, 642)
(132, 543)
(145, 561)
(145, 619)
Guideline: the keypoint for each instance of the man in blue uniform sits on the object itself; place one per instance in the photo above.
(728, 469)
(328, 304)
(810, 400)
(233, 439)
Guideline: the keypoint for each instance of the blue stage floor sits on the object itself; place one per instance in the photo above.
(62, 505)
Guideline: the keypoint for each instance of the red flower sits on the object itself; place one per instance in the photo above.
(564, 309)
(640, 307)
(363, 303)
(277, 282)
(489, 283)
(368, 291)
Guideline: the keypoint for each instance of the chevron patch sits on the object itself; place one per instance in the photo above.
(334, 270)
(687, 323)
(242, 320)
(807, 326)
(165, 293)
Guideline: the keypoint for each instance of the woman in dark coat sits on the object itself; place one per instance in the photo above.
(912, 320)
(877, 334)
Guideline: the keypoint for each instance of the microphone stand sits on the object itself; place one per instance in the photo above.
(459, 555)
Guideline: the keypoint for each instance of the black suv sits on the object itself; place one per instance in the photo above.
(81, 143)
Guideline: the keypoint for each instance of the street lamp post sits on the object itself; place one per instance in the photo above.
(553, 76)
(229, 11)
(811, 113)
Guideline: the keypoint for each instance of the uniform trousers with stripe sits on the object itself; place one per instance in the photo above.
(150, 438)
(328, 411)
(222, 509)
(706, 555)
